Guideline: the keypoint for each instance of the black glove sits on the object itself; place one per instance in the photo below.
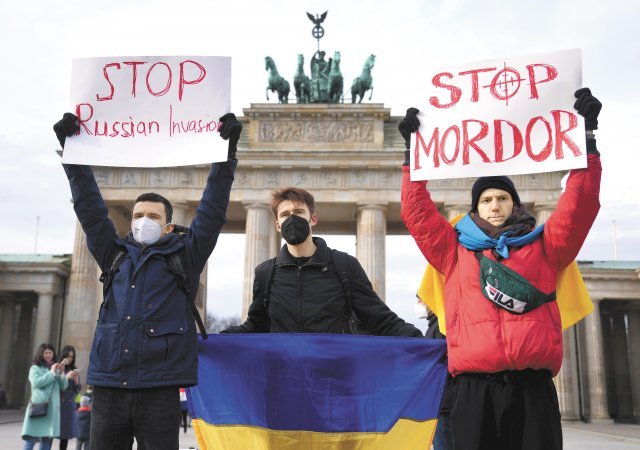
(65, 127)
(408, 125)
(588, 107)
(230, 129)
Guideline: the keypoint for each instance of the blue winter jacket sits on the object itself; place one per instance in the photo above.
(146, 336)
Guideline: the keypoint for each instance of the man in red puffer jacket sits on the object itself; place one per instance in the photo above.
(504, 334)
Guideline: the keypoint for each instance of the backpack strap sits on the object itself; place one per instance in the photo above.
(106, 277)
(176, 267)
(340, 261)
(264, 276)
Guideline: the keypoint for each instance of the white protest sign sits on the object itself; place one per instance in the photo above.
(500, 117)
(149, 111)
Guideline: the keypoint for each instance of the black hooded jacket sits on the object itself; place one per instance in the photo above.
(309, 298)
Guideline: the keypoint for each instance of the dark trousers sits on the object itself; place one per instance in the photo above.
(148, 415)
(505, 411)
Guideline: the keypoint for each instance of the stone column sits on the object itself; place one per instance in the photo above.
(19, 389)
(43, 320)
(6, 337)
(634, 357)
(257, 247)
(596, 366)
(370, 244)
(181, 214)
(83, 301)
(275, 243)
(542, 213)
(567, 379)
(620, 359)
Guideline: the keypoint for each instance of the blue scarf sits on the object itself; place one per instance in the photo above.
(473, 238)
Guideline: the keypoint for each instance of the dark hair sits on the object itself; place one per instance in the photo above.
(63, 354)
(38, 360)
(292, 194)
(157, 198)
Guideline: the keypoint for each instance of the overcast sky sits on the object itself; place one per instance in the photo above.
(40, 38)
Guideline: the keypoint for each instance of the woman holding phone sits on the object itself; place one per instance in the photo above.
(68, 417)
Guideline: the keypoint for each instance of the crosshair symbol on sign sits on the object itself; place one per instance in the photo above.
(317, 32)
(505, 84)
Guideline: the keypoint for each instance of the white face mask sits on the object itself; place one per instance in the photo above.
(146, 231)
(420, 310)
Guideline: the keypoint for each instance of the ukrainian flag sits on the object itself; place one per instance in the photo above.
(317, 391)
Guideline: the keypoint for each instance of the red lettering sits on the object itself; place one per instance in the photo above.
(456, 131)
(510, 78)
(561, 135)
(455, 91)
(183, 81)
(546, 150)
(134, 77)
(81, 119)
(497, 137)
(475, 93)
(552, 73)
(466, 142)
(433, 142)
(166, 88)
(106, 76)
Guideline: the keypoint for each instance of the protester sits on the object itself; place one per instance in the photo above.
(184, 410)
(42, 416)
(502, 363)
(68, 420)
(145, 343)
(84, 424)
(303, 289)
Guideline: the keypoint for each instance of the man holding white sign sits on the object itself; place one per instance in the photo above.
(145, 345)
(503, 325)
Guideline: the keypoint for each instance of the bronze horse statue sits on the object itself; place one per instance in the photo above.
(301, 82)
(276, 82)
(335, 80)
(363, 83)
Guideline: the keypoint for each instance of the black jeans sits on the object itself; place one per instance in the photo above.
(148, 415)
(511, 410)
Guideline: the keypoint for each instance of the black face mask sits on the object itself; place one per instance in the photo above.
(295, 229)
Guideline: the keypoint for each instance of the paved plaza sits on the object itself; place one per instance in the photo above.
(577, 435)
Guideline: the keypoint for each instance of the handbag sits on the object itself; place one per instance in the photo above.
(39, 409)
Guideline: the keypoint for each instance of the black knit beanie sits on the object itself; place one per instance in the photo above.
(483, 183)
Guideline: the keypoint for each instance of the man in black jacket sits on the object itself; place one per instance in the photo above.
(306, 294)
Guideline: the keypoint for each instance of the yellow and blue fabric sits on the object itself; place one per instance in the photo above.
(317, 391)
(572, 297)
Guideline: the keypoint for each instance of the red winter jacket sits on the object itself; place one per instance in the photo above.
(480, 336)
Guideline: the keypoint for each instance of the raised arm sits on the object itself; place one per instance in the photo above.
(211, 212)
(435, 237)
(569, 225)
(88, 203)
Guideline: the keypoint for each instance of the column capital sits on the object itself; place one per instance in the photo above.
(255, 205)
(378, 206)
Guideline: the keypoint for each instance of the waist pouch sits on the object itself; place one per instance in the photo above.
(507, 289)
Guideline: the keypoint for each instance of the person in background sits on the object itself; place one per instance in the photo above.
(68, 425)
(184, 409)
(47, 379)
(84, 424)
